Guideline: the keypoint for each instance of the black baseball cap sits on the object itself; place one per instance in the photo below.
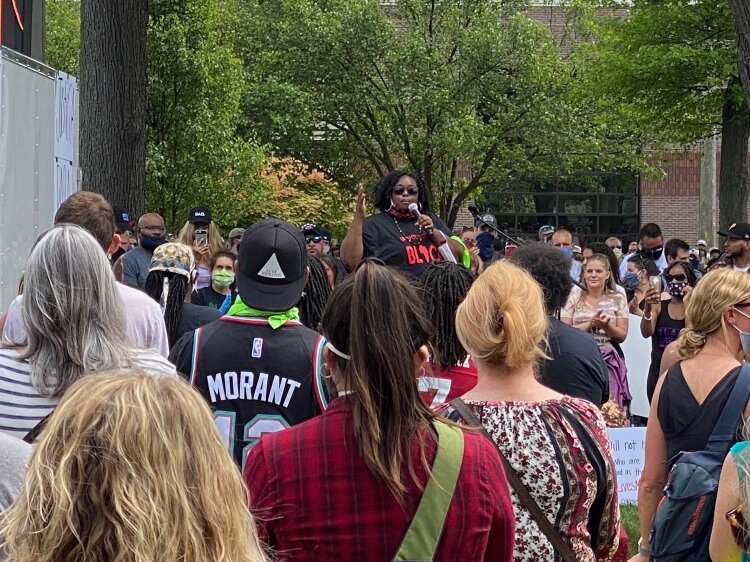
(739, 230)
(272, 259)
(199, 215)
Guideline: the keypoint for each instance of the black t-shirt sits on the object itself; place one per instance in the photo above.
(255, 379)
(208, 297)
(686, 424)
(577, 368)
(194, 316)
(409, 249)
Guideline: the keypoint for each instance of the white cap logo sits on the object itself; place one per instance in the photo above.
(272, 269)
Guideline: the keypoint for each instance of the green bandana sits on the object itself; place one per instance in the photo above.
(275, 319)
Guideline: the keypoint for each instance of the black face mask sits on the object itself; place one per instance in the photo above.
(652, 254)
(150, 243)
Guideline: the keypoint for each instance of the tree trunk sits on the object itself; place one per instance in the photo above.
(734, 143)
(741, 10)
(113, 101)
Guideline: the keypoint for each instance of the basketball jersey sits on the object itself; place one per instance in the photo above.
(255, 379)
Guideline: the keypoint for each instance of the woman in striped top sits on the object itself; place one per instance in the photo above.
(75, 325)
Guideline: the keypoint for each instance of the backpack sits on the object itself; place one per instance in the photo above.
(681, 527)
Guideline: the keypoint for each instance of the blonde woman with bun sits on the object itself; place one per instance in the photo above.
(557, 444)
(689, 397)
(131, 468)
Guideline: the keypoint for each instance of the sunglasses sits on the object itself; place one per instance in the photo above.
(679, 277)
(313, 239)
(618, 247)
(408, 190)
(738, 525)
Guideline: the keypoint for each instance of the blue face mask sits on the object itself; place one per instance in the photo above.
(567, 251)
(744, 336)
(630, 280)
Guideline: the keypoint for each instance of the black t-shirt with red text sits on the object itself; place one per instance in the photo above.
(409, 250)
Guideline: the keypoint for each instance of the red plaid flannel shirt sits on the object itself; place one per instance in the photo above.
(315, 499)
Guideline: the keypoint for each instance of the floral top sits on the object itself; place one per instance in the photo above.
(559, 449)
(613, 304)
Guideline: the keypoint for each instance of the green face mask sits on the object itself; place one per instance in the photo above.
(222, 278)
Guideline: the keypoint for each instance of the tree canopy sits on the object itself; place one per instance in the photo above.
(469, 94)
(667, 69)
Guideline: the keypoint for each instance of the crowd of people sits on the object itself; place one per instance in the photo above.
(270, 396)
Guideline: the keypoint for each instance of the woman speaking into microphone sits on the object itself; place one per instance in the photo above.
(409, 239)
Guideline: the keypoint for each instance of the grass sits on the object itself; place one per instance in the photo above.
(629, 516)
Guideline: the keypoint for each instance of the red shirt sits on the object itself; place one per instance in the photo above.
(315, 499)
(438, 387)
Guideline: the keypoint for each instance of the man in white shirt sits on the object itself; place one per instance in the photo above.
(651, 246)
(144, 319)
(737, 245)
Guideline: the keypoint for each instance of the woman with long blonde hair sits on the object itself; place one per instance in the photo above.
(689, 397)
(131, 468)
(556, 444)
(201, 234)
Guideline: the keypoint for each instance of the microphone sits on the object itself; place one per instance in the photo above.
(414, 210)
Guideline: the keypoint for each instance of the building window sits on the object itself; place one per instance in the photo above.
(592, 206)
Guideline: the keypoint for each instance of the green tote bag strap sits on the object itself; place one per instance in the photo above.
(423, 536)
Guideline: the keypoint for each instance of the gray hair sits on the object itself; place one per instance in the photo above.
(72, 311)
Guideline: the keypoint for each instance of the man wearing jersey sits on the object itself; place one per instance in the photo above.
(258, 367)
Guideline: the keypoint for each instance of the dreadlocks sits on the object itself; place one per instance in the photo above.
(315, 296)
(178, 288)
(444, 286)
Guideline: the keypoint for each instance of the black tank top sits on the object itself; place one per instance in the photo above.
(685, 423)
(666, 331)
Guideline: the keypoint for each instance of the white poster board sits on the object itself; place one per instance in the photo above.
(66, 105)
(628, 447)
(637, 350)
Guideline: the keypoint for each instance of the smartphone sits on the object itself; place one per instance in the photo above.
(201, 237)
(655, 282)
(510, 249)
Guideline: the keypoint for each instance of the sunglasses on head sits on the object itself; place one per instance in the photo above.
(679, 277)
(409, 190)
(313, 239)
(738, 525)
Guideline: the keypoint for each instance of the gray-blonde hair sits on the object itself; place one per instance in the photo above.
(72, 311)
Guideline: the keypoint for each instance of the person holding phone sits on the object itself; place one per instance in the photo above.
(664, 315)
(200, 233)
(637, 282)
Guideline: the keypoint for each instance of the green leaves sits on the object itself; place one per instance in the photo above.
(466, 93)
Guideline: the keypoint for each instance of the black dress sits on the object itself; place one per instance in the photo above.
(685, 423)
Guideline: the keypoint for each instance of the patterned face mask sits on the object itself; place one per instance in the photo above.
(222, 278)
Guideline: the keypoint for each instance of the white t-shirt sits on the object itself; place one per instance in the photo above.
(144, 321)
(741, 269)
(21, 405)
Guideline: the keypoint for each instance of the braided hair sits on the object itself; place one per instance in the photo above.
(178, 289)
(315, 295)
(444, 286)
